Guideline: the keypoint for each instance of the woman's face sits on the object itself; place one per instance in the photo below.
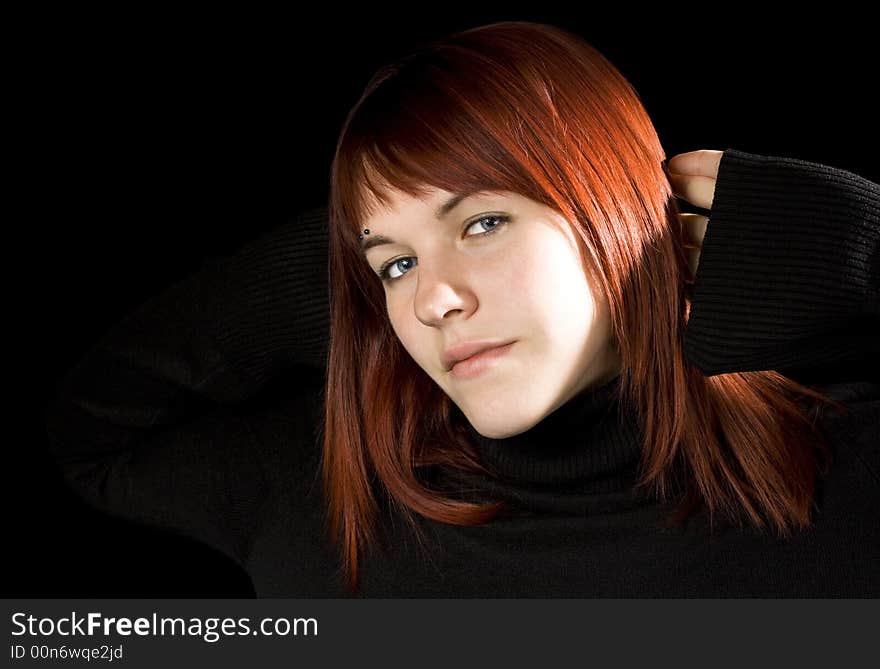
(497, 267)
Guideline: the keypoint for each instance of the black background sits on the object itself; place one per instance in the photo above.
(152, 142)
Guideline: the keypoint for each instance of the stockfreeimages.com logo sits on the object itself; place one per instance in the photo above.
(209, 629)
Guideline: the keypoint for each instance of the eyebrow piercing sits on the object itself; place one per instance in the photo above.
(366, 232)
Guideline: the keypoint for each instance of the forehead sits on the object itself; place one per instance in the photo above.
(432, 204)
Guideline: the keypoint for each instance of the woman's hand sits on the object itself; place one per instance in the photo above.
(692, 176)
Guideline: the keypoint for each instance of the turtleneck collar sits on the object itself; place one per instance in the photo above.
(586, 449)
(591, 441)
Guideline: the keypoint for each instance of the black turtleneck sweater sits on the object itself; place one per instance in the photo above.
(198, 413)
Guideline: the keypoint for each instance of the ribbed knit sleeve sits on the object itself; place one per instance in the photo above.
(153, 425)
(788, 271)
(271, 308)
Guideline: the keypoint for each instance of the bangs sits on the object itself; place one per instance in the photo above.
(450, 136)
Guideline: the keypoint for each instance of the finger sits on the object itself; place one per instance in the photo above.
(695, 226)
(698, 190)
(693, 259)
(703, 162)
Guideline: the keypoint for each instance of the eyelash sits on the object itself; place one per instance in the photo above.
(383, 272)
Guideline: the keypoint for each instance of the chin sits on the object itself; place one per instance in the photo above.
(500, 429)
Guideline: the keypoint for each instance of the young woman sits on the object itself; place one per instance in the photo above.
(489, 368)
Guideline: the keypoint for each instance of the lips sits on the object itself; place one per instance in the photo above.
(467, 349)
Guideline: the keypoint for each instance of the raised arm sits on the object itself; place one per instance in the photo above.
(788, 272)
(153, 423)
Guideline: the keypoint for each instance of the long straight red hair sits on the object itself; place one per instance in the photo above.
(534, 109)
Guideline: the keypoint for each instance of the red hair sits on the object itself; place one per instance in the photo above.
(533, 109)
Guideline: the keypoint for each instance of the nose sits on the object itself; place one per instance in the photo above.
(441, 293)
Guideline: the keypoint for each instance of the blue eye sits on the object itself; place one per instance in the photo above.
(387, 278)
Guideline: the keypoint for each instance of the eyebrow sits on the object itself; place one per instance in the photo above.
(442, 212)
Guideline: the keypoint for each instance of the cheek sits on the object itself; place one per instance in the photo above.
(408, 329)
(547, 281)
(395, 317)
(519, 281)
